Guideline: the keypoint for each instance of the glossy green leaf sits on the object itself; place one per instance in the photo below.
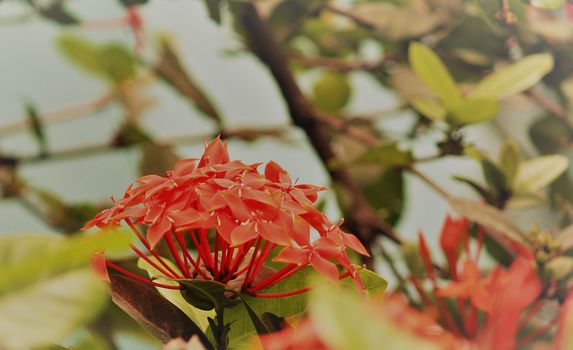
(199, 317)
(537, 173)
(429, 108)
(242, 328)
(346, 322)
(514, 78)
(474, 110)
(430, 68)
(548, 4)
(331, 92)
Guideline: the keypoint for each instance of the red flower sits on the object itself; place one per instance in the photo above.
(235, 217)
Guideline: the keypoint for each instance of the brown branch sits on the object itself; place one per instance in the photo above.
(87, 150)
(362, 220)
(61, 114)
(546, 103)
(335, 63)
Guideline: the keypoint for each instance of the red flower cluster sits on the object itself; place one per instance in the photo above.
(235, 217)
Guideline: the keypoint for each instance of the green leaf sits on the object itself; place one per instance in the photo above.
(509, 161)
(488, 216)
(494, 177)
(156, 159)
(117, 61)
(259, 325)
(44, 276)
(537, 173)
(548, 4)
(51, 257)
(514, 78)
(206, 295)
(331, 92)
(37, 128)
(199, 317)
(82, 53)
(49, 310)
(430, 68)
(242, 327)
(346, 322)
(429, 108)
(474, 110)
(388, 155)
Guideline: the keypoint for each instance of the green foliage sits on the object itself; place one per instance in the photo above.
(430, 68)
(548, 4)
(47, 275)
(111, 61)
(331, 92)
(514, 78)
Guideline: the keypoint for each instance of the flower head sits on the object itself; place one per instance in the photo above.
(233, 217)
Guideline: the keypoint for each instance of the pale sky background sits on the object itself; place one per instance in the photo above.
(32, 69)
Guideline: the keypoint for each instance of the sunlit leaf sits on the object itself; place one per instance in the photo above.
(514, 78)
(117, 61)
(430, 68)
(474, 110)
(429, 108)
(537, 173)
(388, 155)
(82, 53)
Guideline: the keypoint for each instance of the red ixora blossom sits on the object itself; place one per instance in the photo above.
(235, 218)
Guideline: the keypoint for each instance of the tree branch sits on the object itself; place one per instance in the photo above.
(362, 220)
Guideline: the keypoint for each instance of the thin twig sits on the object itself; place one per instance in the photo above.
(61, 114)
(546, 103)
(335, 63)
(349, 14)
(428, 181)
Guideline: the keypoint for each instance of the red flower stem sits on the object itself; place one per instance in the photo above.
(152, 263)
(190, 258)
(175, 253)
(216, 259)
(423, 295)
(532, 311)
(148, 247)
(139, 278)
(241, 255)
(253, 257)
(207, 255)
(537, 333)
(260, 261)
(277, 277)
(282, 295)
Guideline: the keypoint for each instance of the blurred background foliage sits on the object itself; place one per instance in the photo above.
(396, 104)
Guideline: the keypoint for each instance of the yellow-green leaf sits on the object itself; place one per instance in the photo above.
(331, 92)
(548, 4)
(474, 110)
(430, 68)
(535, 174)
(514, 78)
(429, 108)
(509, 161)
